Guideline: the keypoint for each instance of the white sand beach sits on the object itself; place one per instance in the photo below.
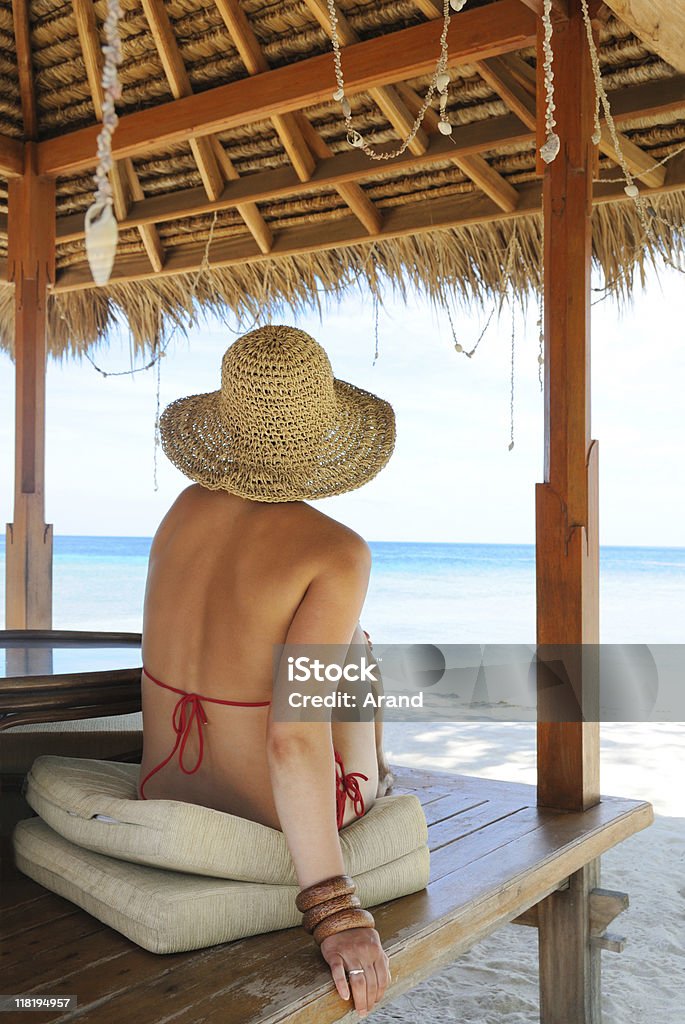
(496, 982)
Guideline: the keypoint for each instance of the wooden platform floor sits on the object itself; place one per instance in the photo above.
(494, 854)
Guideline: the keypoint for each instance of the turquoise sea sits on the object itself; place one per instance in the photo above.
(443, 593)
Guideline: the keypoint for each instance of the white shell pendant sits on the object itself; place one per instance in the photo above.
(355, 139)
(102, 232)
(457, 5)
(551, 148)
(442, 81)
(445, 127)
(339, 95)
(632, 191)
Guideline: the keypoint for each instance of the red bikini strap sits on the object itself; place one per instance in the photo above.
(214, 700)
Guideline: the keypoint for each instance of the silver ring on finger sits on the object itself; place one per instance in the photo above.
(357, 970)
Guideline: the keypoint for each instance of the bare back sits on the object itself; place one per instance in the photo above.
(225, 579)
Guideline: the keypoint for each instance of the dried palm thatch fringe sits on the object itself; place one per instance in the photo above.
(463, 265)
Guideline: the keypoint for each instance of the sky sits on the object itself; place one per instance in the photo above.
(452, 477)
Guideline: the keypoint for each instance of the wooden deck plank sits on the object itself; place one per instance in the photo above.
(452, 803)
(47, 944)
(489, 815)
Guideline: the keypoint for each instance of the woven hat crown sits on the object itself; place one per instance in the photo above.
(277, 384)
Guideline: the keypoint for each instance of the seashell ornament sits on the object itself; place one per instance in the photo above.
(102, 233)
(550, 150)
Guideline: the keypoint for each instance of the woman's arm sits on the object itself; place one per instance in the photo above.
(302, 767)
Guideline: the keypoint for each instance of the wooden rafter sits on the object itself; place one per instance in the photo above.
(412, 219)
(559, 7)
(211, 159)
(431, 8)
(296, 134)
(472, 164)
(125, 184)
(514, 81)
(386, 97)
(252, 56)
(179, 83)
(353, 194)
(484, 32)
(22, 36)
(353, 166)
(660, 24)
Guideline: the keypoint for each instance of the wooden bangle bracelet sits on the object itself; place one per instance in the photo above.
(317, 914)
(341, 922)
(328, 889)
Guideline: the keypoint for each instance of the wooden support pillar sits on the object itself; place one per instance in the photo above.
(569, 961)
(567, 542)
(31, 262)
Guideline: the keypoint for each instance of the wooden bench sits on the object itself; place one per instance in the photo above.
(496, 858)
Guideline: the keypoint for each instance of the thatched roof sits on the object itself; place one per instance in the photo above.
(423, 219)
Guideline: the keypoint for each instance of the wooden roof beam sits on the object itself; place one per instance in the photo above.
(212, 161)
(401, 221)
(22, 37)
(500, 27)
(514, 81)
(11, 157)
(386, 97)
(252, 56)
(353, 166)
(125, 185)
(342, 169)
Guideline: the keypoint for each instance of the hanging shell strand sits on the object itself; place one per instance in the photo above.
(550, 150)
(439, 83)
(101, 228)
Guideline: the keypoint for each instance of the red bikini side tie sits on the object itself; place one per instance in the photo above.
(347, 785)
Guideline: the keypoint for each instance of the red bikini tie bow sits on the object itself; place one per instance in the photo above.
(188, 710)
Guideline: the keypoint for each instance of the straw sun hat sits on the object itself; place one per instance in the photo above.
(282, 427)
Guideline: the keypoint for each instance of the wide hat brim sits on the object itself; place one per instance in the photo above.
(196, 440)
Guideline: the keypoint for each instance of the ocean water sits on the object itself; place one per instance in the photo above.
(440, 593)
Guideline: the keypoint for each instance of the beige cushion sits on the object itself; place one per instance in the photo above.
(83, 737)
(170, 912)
(68, 793)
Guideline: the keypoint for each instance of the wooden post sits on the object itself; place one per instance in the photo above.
(32, 269)
(569, 961)
(567, 543)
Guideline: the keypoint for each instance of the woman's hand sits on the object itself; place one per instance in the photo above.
(352, 950)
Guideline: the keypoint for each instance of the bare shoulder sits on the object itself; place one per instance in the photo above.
(332, 541)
